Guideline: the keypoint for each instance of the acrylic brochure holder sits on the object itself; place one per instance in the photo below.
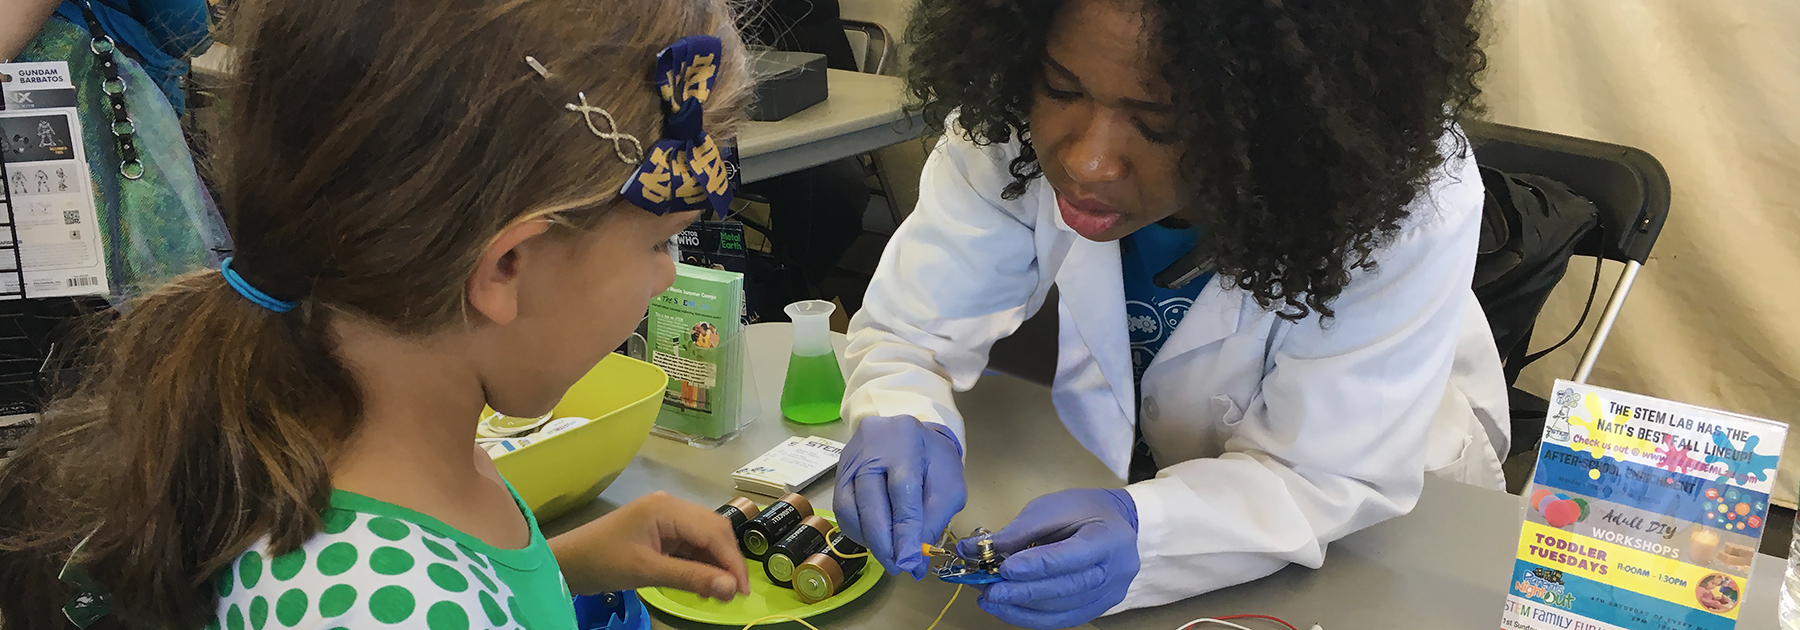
(698, 413)
(1642, 513)
(696, 335)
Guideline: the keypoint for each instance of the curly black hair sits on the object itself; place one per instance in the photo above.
(1306, 126)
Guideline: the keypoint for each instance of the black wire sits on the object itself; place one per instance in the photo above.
(1593, 290)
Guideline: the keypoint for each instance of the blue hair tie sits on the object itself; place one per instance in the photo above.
(255, 295)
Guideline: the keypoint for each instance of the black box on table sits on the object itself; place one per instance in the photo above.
(786, 83)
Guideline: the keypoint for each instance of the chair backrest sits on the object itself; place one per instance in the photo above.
(891, 16)
(1629, 186)
(874, 46)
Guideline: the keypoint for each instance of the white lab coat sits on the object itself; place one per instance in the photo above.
(1275, 437)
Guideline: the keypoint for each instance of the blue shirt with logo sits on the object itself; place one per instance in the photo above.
(1152, 312)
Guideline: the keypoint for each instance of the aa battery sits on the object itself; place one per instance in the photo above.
(781, 517)
(795, 547)
(739, 511)
(826, 574)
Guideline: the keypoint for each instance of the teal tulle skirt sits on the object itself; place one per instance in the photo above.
(162, 224)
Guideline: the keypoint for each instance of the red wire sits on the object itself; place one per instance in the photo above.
(1263, 617)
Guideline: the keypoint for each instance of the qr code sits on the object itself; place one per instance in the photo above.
(84, 281)
(71, 217)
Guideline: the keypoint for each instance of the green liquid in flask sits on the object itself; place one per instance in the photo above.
(814, 392)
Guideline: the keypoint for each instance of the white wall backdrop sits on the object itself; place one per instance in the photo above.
(1712, 89)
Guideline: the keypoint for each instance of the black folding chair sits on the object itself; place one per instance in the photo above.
(1631, 190)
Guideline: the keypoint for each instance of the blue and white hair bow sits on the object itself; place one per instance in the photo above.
(685, 170)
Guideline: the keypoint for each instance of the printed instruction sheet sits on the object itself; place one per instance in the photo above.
(52, 212)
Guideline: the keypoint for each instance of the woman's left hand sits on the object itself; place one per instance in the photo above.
(657, 540)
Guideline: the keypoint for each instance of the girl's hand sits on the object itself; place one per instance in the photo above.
(657, 540)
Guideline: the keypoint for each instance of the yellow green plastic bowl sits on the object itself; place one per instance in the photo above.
(565, 471)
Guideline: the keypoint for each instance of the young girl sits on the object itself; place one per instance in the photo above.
(426, 203)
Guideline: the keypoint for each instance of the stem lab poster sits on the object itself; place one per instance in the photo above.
(1644, 514)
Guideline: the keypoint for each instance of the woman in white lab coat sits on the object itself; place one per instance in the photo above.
(1261, 219)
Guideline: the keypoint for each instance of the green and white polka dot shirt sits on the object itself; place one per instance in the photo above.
(379, 565)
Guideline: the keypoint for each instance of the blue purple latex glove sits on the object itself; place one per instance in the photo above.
(1084, 562)
(899, 483)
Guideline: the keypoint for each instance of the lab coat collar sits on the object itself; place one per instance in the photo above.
(1092, 286)
(1214, 316)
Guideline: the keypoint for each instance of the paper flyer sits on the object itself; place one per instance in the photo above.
(1644, 514)
(51, 192)
(789, 467)
(694, 337)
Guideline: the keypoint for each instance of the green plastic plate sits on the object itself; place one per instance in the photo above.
(765, 597)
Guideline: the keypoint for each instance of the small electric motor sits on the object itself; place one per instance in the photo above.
(981, 568)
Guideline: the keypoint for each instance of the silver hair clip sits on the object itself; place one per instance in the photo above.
(539, 67)
(587, 112)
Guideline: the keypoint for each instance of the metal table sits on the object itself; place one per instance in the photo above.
(865, 112)
(1443, 567)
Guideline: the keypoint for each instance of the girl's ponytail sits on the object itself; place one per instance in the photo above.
(204, 423)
